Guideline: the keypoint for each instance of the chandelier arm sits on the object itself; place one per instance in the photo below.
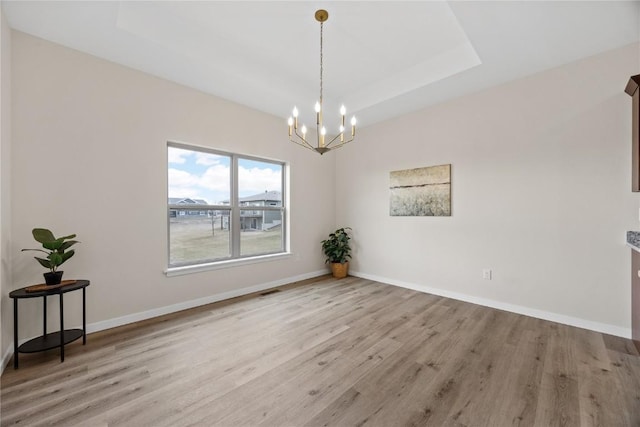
(301, 137)
(333, 140)
(302, 142)
(335, 147)
(306, 145)
(342, 143)
(298, 135)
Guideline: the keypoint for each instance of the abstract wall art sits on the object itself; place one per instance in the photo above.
(421, 192)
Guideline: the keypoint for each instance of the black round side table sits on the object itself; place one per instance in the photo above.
(52, 340)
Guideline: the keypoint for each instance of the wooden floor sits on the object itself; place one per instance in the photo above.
(332, 353)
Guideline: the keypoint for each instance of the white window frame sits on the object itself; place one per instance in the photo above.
(234, 209)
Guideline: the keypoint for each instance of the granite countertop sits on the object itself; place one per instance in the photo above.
(633, 240)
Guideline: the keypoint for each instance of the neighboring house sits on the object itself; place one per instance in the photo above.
(258, 219)
(173, 213)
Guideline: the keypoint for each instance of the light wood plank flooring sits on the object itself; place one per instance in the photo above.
(328, 352)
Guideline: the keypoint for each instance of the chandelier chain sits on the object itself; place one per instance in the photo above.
(321, 58)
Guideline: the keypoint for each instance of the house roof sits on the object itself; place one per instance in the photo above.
(186, 201)
(267, 196)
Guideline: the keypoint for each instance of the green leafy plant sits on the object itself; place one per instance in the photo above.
(336, 248)
(56, 248)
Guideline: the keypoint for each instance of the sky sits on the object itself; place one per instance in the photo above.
(207, 176)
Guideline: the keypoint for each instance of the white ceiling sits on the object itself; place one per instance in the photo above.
(381, 59)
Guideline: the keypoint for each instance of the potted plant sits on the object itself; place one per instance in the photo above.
(56, 250)
(337, 250)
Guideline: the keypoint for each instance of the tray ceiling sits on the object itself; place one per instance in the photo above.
(381, 59)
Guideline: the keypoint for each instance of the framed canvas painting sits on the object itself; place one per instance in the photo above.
(421, 192)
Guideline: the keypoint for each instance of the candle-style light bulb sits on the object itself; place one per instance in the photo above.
(290, 121)
(341, 128)
(323, 131)
(318, 107)
(343, 111)
(304, 130)
(353, 126)
(353, 121)
(295, 111)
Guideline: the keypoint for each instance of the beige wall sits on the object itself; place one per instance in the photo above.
(6, 312)
(89, 157)
(540, 189)
(540, 171)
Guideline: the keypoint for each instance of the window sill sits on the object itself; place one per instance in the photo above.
(190, 269)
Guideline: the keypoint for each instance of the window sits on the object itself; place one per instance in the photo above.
(223, 206)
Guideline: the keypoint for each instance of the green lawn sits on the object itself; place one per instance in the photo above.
(197, 240)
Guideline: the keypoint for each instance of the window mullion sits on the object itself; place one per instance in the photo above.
(235, 210)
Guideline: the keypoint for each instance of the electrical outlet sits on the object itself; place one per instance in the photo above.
(486, 274)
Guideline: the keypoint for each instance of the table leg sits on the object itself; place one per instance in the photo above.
(15, 333)
(61, 327)
(44, 317)
(84, 316)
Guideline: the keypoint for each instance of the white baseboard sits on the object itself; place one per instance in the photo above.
(136, 317)
(6, 357)
(144, 315)
(527, 311)
(513, 308)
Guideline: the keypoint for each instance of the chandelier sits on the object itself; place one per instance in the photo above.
(299, 136)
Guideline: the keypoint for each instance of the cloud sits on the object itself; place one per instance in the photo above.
(177, 155)
(256, 180)
(184, 193)
(182, 184)
(216, 178)
(214, 184)
(208, 159)
(179, 178)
